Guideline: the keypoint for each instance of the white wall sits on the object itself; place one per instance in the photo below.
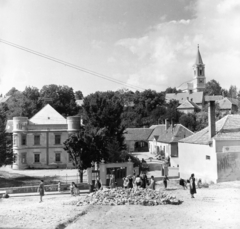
(192, 159)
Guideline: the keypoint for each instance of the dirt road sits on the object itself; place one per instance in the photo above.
(215, 207)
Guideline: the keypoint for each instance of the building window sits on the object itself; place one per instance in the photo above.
(36, 139)
(15, 140)
(23, 158)
(57, 139)
(24, 139)
(208, 158)
(200, 72)
(37, 158)
(57, 157)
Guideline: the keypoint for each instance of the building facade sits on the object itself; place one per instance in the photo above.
(212, 158)
(38, 142)
(164, 141)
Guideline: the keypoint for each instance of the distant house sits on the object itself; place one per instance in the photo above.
(38, 142)
(228, 105)
(195, 97)
(188, 107)
(79, 102)
(5, 99)
(164, 140)
(136, 139)
(208, 153)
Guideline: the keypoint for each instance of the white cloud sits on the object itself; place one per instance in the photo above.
(168, 50)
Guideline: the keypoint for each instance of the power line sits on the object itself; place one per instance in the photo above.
(71, 65)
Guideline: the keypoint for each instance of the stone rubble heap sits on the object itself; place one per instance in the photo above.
(146, 197)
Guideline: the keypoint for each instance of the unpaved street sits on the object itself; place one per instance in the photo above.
(214, 207)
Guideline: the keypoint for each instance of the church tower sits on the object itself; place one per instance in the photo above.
(199, 79)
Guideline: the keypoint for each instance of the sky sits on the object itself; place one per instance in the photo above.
(147, 44)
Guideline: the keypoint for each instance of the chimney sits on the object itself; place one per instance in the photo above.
(166, 124)
(211, 119)
(211, 114)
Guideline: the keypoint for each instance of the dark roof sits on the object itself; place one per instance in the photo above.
(188, 105)
(196, 97)
(198, 58)
(171, 135)
(137, 134)
(227, 128)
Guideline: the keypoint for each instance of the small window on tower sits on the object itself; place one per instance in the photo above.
(200, 72)
(194, 72)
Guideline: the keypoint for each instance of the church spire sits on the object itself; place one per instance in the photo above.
(198, 58)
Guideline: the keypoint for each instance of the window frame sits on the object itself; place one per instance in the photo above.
(37, 135)
(24, 137)
(58, 153)
(55, 138)
(39, 155)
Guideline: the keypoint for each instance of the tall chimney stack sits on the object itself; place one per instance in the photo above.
(211, 114)
(211, 119)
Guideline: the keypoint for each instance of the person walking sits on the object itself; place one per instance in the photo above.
(98, 184)
(183, 183)
(152, 183)
(41, 190)
(165, 179)
(72, 189)
(76, 190)
(192, 185)
(112, 182)
(125, 183)
(59, 186)
(138, 181)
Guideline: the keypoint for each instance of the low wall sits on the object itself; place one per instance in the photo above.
(48, 188)
(173, 172)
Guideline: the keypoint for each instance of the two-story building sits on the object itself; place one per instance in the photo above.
(38, 142)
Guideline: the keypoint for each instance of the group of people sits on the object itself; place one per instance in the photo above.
(74, 190)
(139, 181)
(192, 184)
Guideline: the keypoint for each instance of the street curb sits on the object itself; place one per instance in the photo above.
(84, 192)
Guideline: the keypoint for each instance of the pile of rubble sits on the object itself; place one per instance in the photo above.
(146, 197)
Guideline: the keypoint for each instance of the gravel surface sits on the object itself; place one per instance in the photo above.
(214, 207)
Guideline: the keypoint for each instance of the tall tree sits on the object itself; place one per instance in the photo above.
(78, 95)
(62, 99)
(104, 110)
(233, 92)
(6, 151)
(12, 91)
(213, 88)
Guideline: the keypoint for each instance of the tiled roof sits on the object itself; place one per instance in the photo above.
(172, 134)
(48, 115)
(226, 103)
(187, 105)
(196, 97)
(137, 134)
(227, 128)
